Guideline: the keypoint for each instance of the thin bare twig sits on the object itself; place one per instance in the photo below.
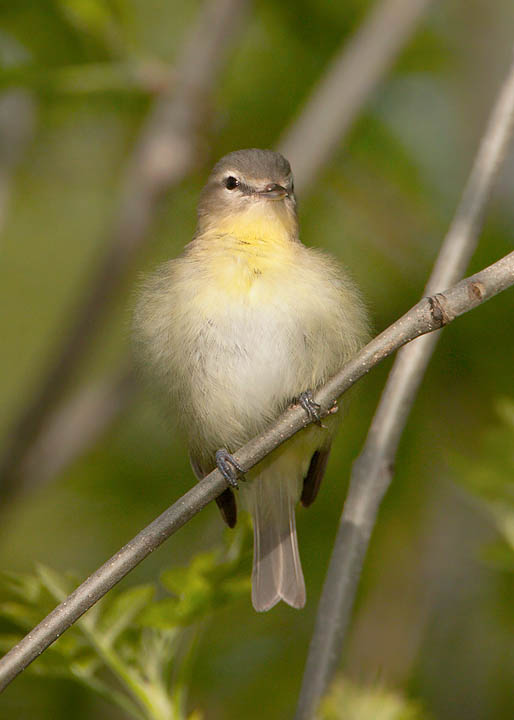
(166, 150)
(17, 121)
(428, 315)
(347, 85)
(75, 427)
(373, 470)
(328, 115)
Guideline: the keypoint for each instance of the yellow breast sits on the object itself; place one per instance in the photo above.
(246, 254)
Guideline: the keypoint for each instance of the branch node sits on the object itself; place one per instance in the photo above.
(476, 291)
(438, 310)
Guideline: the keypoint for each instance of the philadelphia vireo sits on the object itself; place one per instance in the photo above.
(245, 322)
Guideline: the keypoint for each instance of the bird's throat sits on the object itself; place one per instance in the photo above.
(248, 251)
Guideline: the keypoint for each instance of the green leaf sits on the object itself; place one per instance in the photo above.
(57, 584)
(129, 634)
(176, 580)
(85, 666)
(8, 641)
(123, 610)
(100, 19)
(71, 644)
(489, 471)
(348, 701)
(205, 585)
(22, 615)
(171, 612)
(23, 586)
(53, 662)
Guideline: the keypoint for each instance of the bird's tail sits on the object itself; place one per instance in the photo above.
(277, 571)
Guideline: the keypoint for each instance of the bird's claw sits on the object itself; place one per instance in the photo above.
(311, 407)
(334, 409)
(229, 468)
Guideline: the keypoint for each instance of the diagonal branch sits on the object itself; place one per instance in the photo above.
(165, 152)
(425, 317)
(373, 470)
(332, 107)
(77, 425)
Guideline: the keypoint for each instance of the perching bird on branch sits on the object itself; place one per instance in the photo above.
(247, 321)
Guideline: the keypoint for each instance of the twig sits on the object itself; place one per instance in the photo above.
(428, 315)
(75, 427)
(166, 151)
(17, 120)
(327, 117)
(350, 79)
(373, 470)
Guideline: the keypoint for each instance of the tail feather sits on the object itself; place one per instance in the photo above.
(277, 571)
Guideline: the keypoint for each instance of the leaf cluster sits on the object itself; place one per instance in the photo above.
(488, 474)
(348, 701)
(135, 648)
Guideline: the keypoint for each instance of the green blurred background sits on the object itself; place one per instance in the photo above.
(434, 615)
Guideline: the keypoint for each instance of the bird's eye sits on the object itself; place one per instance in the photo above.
(231, 182)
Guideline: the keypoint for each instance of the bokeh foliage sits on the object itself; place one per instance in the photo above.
(133, 648)
(433, 616)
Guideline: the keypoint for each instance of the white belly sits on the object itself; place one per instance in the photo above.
(248, 367)
(235, 344)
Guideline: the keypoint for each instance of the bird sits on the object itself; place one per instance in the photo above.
(245, 322)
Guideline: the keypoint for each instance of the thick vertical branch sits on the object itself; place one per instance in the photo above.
(373, 470)
(166, 150)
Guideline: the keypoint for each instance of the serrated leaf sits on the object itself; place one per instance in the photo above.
(198, 599)
(236, 587)
(57, 584)
(123, 610)
(72, 644)
(23, 586)
(349, 701)
(101, 19)
(53, 662)
(8, 641)
(175, 579)
(488, 473)
(86, 666)
(94, 16)
(115, 632)
(167, 614)
(22, 615)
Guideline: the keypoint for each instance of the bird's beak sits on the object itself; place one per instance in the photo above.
(273, 191)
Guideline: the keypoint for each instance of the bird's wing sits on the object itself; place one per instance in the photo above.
(226, 501)
(312, 480)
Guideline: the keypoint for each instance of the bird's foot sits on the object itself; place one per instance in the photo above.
(311, 407)
(229, 468)
(334, 409)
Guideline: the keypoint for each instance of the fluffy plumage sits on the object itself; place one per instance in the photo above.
(236, 329)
